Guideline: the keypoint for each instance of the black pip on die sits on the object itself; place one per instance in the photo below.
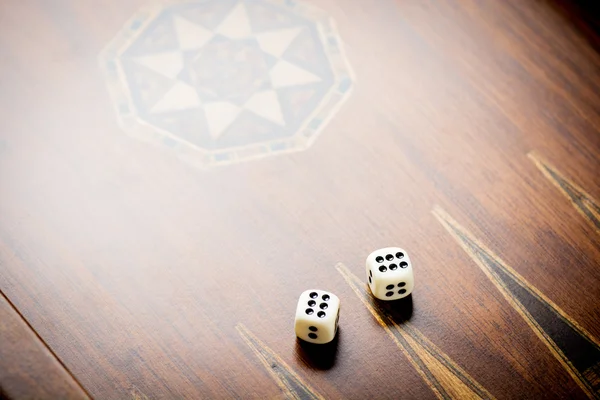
(390, 273)
(317, 316)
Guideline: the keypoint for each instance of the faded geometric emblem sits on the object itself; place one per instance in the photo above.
(220, 81)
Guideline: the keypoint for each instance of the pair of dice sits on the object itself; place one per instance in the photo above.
(390, 277)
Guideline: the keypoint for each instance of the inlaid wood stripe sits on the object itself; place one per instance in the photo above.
(289, 381)
(443, 376)
(585, 204)
(576, 350)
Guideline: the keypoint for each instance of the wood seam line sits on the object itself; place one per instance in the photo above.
(453, 227)
(37, 335)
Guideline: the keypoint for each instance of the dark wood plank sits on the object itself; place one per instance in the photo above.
(471, 139)
(28, 369)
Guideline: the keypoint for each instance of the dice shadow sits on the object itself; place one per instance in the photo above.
(318, 356)
(396, 311)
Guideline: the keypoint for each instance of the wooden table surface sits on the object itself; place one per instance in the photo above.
(174, 174)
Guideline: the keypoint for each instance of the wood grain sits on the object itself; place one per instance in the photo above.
(135, 267)
(28, 369)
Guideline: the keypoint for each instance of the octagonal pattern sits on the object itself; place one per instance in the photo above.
(219, 81)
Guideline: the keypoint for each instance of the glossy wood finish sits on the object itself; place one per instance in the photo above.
(150, 278)
(28, 369)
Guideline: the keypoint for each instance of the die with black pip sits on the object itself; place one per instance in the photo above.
(390, 273)
(317, 316)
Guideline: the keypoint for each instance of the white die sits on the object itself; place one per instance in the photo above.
(317, 316)
(390, 273)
